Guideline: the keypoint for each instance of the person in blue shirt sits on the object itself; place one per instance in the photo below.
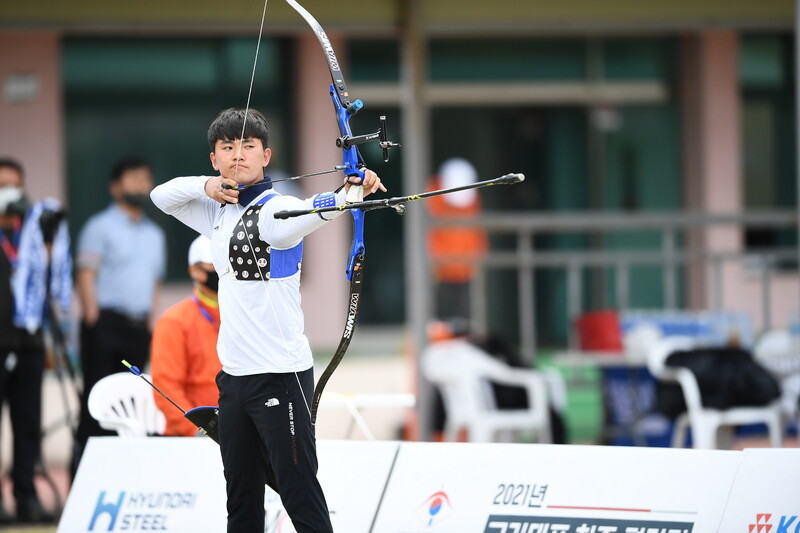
(121, 258)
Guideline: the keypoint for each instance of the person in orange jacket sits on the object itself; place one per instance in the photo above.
(183, 354)
(455, 249)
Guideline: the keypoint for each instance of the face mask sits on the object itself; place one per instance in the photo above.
(212, 280)
(138, 200)
(12, 201)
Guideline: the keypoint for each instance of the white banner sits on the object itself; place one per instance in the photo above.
(353, 475)
(516, 488)
(147, 484)
(174, 484)
(765, 497)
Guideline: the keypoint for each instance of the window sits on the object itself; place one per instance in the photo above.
(156, 98)
(766, 67)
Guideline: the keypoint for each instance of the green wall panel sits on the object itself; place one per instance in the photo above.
(374, 14)
(611, 12)
(187, 13)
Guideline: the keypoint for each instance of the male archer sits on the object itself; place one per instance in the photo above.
(267, 381)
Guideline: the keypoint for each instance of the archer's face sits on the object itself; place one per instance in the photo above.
(241, 160)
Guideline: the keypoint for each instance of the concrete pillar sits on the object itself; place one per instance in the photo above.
(324, 286)
(416, 169)
(713, 179)
(31, 112)
(712, 147)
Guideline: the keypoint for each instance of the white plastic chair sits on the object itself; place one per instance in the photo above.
(124, 403)
(463, 373)
(705, 422)
(778, 350)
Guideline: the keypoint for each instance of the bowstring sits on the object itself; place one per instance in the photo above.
(241, 211)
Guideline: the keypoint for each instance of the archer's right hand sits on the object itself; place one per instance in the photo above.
(214, 189)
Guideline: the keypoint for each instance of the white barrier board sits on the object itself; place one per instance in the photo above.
(174, 484)
(353, 475)
(766, 493)
(147, 484)
(516, 488)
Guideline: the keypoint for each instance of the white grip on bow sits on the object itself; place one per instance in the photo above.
(355, 194)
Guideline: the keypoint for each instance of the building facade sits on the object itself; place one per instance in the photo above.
(618, 106)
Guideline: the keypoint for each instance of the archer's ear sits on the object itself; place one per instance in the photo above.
(213, 161)
(267, 156)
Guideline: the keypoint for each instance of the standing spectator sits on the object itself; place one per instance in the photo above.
(183, 358)
(36, 251)
(120, 261)
(10, 228)
(455, 249)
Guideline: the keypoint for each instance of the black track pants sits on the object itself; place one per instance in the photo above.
(104, 345)
(22, 388)
(265, 434)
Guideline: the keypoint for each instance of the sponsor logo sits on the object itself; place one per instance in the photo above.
(351, 316)
(762, 524)
(272, 402)
(435, 507)
(102, 508)
(138, 511)
(765, 523)
(328, 48)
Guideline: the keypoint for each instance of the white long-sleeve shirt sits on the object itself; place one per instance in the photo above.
(261, 322)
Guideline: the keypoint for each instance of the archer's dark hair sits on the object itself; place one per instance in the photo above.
(7, 162)
(229, 124)
(125, 164)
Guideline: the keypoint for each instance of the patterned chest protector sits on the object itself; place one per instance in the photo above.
(248, 254)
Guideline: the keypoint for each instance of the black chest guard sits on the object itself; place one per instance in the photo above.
(247, 253)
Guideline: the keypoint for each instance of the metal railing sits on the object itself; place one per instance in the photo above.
(525, 259)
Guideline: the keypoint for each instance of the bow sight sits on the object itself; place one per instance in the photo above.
(347, 141)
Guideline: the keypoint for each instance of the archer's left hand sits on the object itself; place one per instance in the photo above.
(371, 183)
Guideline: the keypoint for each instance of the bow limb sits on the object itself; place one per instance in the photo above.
(352, 164)
(356, 267)
(330, 55)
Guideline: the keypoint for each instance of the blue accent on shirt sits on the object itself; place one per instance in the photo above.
(282, 263)
(285, 263)
(325, 199)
